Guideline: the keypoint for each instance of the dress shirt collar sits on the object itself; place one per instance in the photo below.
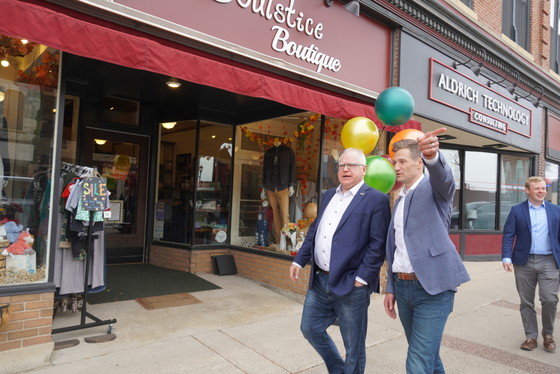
(354, 190)
(531, 205)
(404, 191)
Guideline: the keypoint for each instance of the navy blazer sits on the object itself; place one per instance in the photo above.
(517, 238)
(427, 215)
(358, 242)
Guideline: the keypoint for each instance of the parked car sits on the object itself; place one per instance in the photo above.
(481, 215)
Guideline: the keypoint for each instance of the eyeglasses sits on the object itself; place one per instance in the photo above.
(349, 166)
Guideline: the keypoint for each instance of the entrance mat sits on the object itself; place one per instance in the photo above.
(134, 281)
(167, 301)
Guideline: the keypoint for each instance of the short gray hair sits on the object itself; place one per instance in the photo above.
(357, 152)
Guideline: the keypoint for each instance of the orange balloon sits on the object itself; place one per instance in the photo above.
(403, 134)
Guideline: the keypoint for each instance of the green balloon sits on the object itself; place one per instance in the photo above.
(394, 106)
(380, 173)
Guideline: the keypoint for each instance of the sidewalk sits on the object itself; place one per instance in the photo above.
(247, 328)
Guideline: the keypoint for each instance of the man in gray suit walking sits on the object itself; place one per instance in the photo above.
(424, 268)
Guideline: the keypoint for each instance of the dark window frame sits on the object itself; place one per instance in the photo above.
(555, 37)
(516, 16)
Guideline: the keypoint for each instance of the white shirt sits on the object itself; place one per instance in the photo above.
(329, 222)
(401, 261)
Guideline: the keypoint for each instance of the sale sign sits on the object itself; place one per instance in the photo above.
(94, 194)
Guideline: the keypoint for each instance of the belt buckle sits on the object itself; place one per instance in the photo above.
(407, 276)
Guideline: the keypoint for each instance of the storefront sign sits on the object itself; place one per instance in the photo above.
(289, 19)
(485, 107)
(295, 35)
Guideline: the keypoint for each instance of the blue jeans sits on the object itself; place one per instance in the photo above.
(423, 317)
(321, 309)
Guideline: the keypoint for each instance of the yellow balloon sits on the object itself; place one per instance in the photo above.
(361, 133)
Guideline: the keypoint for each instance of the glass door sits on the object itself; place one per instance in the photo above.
(123, 160)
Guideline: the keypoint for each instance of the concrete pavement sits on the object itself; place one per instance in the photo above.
(246, 327)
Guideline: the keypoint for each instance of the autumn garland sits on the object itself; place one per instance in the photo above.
(304, 128)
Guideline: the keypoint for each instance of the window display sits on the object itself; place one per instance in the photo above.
(28, 97)
(275, 194)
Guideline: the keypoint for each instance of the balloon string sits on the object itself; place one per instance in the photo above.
(380, 135)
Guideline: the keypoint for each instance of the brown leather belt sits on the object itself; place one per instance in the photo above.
(407, 276)
(319, 270)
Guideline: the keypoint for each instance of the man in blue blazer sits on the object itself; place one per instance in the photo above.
(345, 245)
(424, 268)
(530, 246)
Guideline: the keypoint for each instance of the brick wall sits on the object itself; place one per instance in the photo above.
(197, 261)
(272, 271)
(30, 320)
(489, 14)
(170, 258)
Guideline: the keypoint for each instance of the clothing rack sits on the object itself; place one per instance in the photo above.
(82, 171)
(85, 171)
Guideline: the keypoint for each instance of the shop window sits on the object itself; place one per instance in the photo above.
(551, 179)
(468, 3)
(176, 177)
(194, 191)
(28, 97)
(515, 21)
(555, 35)
(480, 186)
(332, 149)
(453, 159)
(212, 204)
(272, 158)
(515, 170)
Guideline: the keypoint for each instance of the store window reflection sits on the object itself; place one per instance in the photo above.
(187, 213)
(28, 97)
(480, 186)
(515, 170)
(275, 181)
(453, 159)
(551, 179)
(214, 186)
(332, 149)
(175, 192)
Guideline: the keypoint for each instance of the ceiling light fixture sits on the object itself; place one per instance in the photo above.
(5, 63)
(446, 137)
(168, 125)
(2, 96)
(494, 146)
(100, 141)
(173, 83)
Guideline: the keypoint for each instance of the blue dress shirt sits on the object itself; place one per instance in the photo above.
(540, 244)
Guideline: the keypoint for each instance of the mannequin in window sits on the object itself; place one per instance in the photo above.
(279, 179)
(330, 169)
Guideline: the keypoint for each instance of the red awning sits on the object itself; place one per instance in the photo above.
(87, 36)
